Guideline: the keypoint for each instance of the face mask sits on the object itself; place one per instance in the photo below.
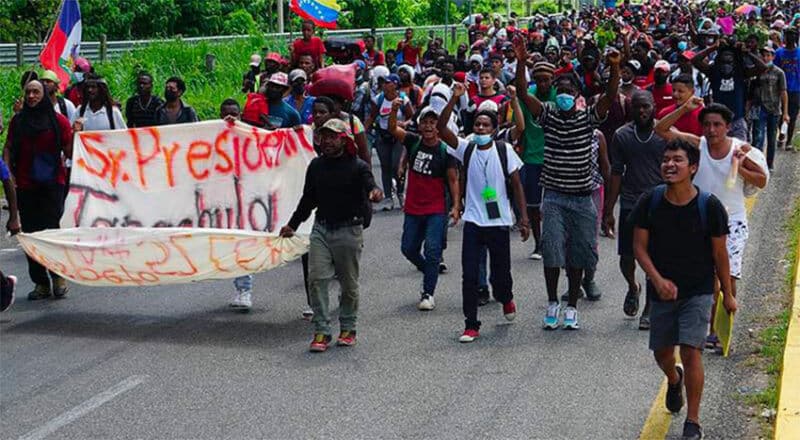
(565, 101)
(682, 46)
(78, 76)
(625, 83)
(709, 41)
(298, 89)
(481, 139)
(770, 64)
(170, 95)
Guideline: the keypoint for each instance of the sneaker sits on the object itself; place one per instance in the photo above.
(442, 268)
(691, 431)
(571, 318)
(39, 292)
(510, 310)
(483, 295)
(308, 313)
(644, 322)
(8, 295)
(60, 288)
(565, 295)
(426, 303)
(674, 399)
(535, 255)
(320, 342)
(469, 335)
(591, 290)
(347, 338)
(242, 300)
(388, 204)
(551, 318)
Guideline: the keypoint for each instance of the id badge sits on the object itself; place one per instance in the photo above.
(490, 200)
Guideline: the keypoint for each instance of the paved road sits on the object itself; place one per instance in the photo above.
(175, 362)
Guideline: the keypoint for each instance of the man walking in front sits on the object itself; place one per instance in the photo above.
(679, 240)
(337, 185)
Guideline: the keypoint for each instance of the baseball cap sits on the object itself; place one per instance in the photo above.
(50, 76)
(688, 54)
(635, 64)
(255, 60)
(83, 65)
(297, 73)
(425, 111)
(393, 78)
(274, 56)
(279, 78)
(662, 64)
(476, 58)
(488, 105)
(763, 49)
(337, 125)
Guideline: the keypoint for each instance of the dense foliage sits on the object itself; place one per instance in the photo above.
(31, 20)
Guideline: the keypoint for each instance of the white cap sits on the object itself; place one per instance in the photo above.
(297, 73)
(407, 68)
(255, 60)
(476, 57)
(488, 105)
(425, 111)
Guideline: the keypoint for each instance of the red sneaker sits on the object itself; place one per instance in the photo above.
(469, 335)
(510, 310)
(347, 338)
(320, 342)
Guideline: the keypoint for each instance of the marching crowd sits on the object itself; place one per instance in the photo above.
(673, 112)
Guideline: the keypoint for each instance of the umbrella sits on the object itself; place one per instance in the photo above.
(746, 9)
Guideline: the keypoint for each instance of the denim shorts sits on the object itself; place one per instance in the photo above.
(569, 230)
(681, 322)
(533, 189)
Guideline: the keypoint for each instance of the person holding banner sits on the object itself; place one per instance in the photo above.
(337, 184)
(37, 138)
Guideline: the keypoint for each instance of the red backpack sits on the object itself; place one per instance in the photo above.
(255, 106)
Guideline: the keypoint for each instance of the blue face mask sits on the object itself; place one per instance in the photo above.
(565, 101)
(682, 46)
(78, 76)
(481, 139)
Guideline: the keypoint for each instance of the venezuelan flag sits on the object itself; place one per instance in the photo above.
(323, 13)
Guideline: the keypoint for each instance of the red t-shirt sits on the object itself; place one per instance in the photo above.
(688, 123)
(644, 81)
(662, 95)
(427, 176)
(374, 58)
(314, 47)
(410, 53)
(44, 146)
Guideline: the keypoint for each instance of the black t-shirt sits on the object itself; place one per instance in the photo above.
(679, 245)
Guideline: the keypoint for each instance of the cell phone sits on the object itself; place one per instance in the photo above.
(493, 210)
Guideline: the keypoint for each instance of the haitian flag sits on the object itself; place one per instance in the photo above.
(64, 44)
(323, 13)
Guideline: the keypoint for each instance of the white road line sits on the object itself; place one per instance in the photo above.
(84, 408)
(9, 250)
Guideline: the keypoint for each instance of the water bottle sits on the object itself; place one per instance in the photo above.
(784, 129)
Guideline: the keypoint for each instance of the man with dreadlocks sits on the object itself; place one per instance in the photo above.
(37, 137)
(98, 111)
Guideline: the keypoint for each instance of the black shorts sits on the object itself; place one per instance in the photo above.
(625, 234)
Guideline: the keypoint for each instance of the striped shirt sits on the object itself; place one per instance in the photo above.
(568, 149)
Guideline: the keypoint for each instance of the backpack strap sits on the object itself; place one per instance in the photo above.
(62, 106)
(702, 205)
(467, 156)
(655, 199)
(110, 115)
(502, 151)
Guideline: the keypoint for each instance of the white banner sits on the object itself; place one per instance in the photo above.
(214, 177)
(155, 256)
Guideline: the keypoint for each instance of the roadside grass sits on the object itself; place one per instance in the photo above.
(773, 337)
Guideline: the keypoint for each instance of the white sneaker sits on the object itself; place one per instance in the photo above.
(571, 318)
(308, 313)
(242, 300)
(551, 318)
(535, 255)
(426, 303)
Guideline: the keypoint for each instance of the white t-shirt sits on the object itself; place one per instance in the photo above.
(485, 170)
(712, 176)
(386, 108)
(72, 112)
(99, 120)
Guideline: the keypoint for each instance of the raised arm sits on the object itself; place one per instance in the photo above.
(394, 129)
(665, 129)
(613, 58)
(531, 102)
(445, 133)
(519, 118)
(699, 61)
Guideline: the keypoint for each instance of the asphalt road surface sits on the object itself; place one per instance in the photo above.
(175, 362)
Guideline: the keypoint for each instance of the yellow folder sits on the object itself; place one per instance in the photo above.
(723, 325)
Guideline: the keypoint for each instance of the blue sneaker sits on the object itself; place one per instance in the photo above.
(551, 318)
(571, 318)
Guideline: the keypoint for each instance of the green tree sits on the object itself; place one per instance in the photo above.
(240, 22)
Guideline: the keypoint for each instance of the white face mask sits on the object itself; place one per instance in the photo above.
(78, 76)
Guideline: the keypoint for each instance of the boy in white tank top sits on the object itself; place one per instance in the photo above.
(727, 166)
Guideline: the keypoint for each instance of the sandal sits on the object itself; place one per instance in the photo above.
(712, 342)
(631, 305)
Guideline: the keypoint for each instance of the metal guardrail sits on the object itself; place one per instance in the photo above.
(115, 49)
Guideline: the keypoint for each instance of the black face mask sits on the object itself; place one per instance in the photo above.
(170, 95)
(298, 89)
(660, 80)
(274, 95)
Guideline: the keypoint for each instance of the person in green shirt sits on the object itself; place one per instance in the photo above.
(533, 143)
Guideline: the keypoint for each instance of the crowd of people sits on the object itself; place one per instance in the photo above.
(675, 112)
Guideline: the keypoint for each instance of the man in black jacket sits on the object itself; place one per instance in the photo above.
(337, 184)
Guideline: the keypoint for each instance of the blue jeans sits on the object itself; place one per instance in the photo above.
(243, 283)
(766, 124)
(429, 229)
(478, 239)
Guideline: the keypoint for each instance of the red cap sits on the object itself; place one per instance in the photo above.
(460, 76)
(274, 56)
(688, 54)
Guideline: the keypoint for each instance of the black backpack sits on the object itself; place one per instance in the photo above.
(109, 114)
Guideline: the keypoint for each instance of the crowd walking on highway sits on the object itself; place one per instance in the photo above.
(675, 112)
